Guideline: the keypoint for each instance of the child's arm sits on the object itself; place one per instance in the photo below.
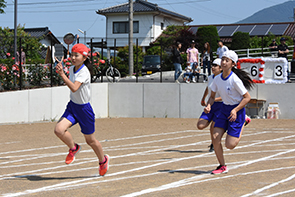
(210, 102)
(203, 103)
(73, 86)
(218, 99)
(233, 113)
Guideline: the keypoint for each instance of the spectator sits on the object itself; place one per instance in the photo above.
(23, 57)
(177, 61)
(283, 51)
(196, 71)
(192, 54)
(189, 73)
(222, 48)
(206, 59)
(273, 48)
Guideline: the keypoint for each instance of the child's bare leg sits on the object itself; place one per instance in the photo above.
(216, 139)
(212, 129)
(202, 123)
(61, 132)
(95, 145)
(231, 142)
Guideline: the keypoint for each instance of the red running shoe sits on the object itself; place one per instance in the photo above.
(220, 169)
(104, 167)
(71, 156)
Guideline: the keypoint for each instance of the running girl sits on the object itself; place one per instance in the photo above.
(207, 118)
(79, 109)
(232, 86)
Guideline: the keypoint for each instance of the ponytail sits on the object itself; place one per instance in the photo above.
(88, 64)
(245, 78)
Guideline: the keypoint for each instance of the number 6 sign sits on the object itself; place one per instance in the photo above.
(265, 70)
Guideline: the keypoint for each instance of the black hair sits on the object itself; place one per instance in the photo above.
(89, 65)
(245, 78)
(220, 41)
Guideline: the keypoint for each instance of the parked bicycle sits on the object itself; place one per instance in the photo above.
(112, 74)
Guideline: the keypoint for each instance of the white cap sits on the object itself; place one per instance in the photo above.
(217, 61)
(231, 55)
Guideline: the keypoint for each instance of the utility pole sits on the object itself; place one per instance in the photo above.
(15, 28)
(131, 38)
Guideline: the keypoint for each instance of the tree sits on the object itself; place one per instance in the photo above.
(122, 60)
(30, 44)
(240, 40)
(2, 5)
(207, 34)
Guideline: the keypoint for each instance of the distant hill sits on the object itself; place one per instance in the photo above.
(278, 13)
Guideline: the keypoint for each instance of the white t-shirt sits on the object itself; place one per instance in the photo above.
(230, 89)
(82, 95)
(221, 50)
(188, 69)
(210, 80)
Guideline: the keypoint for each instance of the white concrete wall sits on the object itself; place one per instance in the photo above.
(130, 100)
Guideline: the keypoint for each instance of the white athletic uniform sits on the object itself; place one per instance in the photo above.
(230, 89)
(82, 95)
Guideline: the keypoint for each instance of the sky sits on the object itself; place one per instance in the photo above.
(67, 16)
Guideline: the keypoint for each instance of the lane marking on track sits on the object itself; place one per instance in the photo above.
(118, 139)
(269, 186)
(195, 179)
(79, 182)
(281, 193)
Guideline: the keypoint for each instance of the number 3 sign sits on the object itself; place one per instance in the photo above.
(265, 70)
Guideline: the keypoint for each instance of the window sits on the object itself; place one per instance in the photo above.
(162, 26)
(123, 27)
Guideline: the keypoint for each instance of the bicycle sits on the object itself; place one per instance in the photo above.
(112, 74)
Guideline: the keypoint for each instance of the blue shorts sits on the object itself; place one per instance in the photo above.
(215, 108)
(233, 128)
(82, 114)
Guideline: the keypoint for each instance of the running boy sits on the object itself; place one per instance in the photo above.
(79, 109)
(232, 86)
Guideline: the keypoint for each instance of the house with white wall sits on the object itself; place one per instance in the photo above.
(149, 20)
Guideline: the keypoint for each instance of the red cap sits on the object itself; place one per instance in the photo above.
(80, 48)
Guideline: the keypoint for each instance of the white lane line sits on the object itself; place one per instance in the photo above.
(158, 134)
(110, 140)
(195, 179)
(150, 151)
(119, 156)
(269, 186)
(72, 183)
(119, 146)
(5, 143)
(281, 193)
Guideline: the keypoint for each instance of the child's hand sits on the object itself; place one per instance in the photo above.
(207, 109)
(203, 103)
(233, 115)
(59, 67)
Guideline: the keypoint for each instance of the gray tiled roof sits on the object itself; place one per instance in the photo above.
(141, 6)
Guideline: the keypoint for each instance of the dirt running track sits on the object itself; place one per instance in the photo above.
(149, 157)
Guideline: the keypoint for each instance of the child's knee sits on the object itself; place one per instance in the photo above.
(200, 126)
(58, 130)
(91, 142)
(230, 145)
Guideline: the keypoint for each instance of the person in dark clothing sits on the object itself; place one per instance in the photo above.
(273, 47)
(177, 61)
(283, 51)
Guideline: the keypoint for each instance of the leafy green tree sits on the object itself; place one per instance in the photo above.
(2, 6)
(122, 61)
(31, 45)
(240, 40)
(207, 34)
